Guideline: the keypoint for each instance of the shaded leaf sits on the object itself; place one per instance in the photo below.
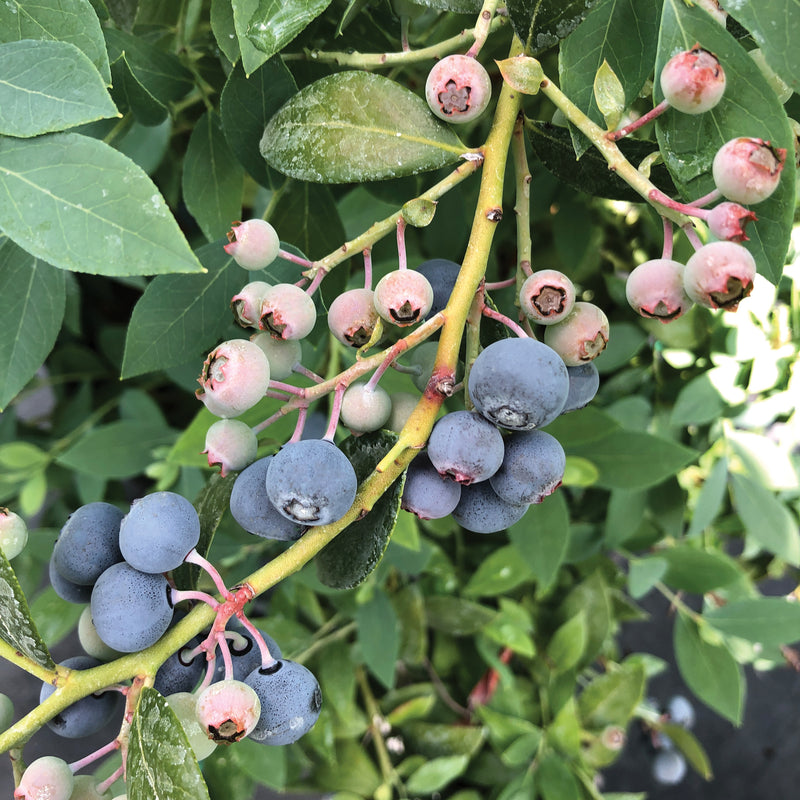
(643, 575)
(356, 126)
(709, 501)
(81, 205)
(611, 699)
(456, 616)
(542, 23)
(691, 748)
(378, 637)
(555, 779)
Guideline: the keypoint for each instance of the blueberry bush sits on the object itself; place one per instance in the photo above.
(364, 363)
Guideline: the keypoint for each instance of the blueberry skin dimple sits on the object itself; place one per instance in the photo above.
(290, 702)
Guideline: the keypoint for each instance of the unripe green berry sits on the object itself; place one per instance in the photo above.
(282, 354)
(13, 533)
(364, 408)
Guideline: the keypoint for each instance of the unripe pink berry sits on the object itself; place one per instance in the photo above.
(352, 317)
(458, 88)
(287, 312)
(13, 533)
(655, 289)
(581, 337)
(693, 81)
(246, 305)
(234, 378)
(547, 296)
(712, 7)
(231, 444)
(719, 275)
(228, 711)
(254, 244)
(282, 354)
(47, 778)
(365, 409)
(403, 297)
(726, 221)
(747, 170)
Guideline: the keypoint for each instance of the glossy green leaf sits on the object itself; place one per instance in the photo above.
(568, 643)
(276, 22)
(555, 779)
(542, 538)
(621, 33)
(709, 670)
(542, 23)
(644, 573)
(212, 178)
(17, 627)
(748, 108)
(116, 450)
(355, 126)
(246, 106)
(222, 25)
(146, 78)
(48, 86)
(500, 572)
(775, 25)
(177, 318)
(378, 637)
(160, 763)
(459, 6)
(32, 299)
(81, 205)
(436, 774)
(766, 519)
(691, 748)
(711, 497)
(73, 21)
(355, 552)
(252, 57)
(698, 571)
(611, 698)
(768, 620)
(456, 616)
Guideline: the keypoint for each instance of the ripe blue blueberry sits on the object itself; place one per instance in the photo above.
(584, 381)
(442, 275)
(533, 467)
(466, 447)
(67, 590)
(426, 493)
(482, 510)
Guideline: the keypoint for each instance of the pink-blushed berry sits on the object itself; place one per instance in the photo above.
(581, 337)
(713, 8)
(352, 317)
(228, 710)
(747, 170)
(693, 81)
(13, 533)
(254, 244)
(365, 408)
(720, 275)
(47, 778)
(547, 296)
(655, 289)
(231, 444)
(403, 297)
(282, 354)
(234, 378)
(458, 88)
(287, 312)
(246, 305)
(727, 221)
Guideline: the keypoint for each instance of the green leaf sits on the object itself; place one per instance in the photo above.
(522, 73)
(555, 780)
(409, 605)
(621, 33)
(434, 739)
(459, 6)
(692, 750)
(709, 501)
(542, 23)
(276, 22)
(378, 637)
(48, 86)
(592, 597)
(771, 621)
(543, 537)
(146, 78)
(698, 571)
(749, 107)
(553, 147)
(32, 300)
(626, 510)
(766, 519)
(246, 105)
(117, 450)
(17, 627)
(611, 698)
(160, 763)
(609, 95)
(699, 401)
(55, 618)
(266, 764)
(212, 179)
(177, 319)
(252, 57)
(643, 575)
(456, 616)
(355, 126)
(568, 643)
(709, 670)
(436, 774)
(73, 21)
(500, 572)
(355, 552)
(774, 24)
(95, 210)
(222, 25)
(634, 460)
